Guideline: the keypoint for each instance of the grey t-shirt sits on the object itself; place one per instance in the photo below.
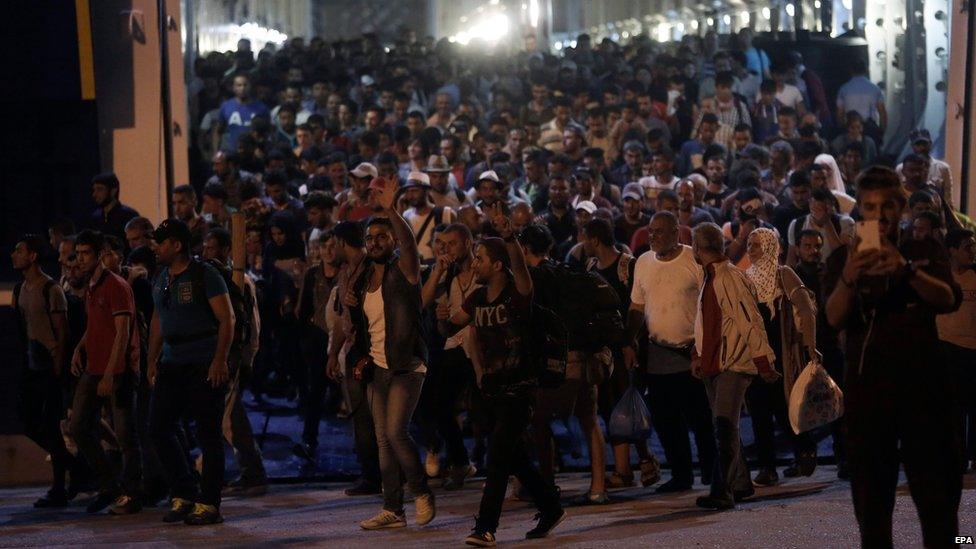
(38, 313)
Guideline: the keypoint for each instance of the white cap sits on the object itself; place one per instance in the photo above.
(366, 80)
(587, 206)
(417, 179)
(489, 175)
(365, 169)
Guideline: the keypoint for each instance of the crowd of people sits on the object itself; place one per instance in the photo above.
(488, 244)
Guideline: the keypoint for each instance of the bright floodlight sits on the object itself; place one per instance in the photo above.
(790, 10)
(534, 13)
(766, 13)
(745, 17)
(489, 29)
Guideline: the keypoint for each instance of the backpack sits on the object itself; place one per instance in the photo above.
(21, 321)
(623, 267)
(588, 306)
(549, 347)
(242, 302)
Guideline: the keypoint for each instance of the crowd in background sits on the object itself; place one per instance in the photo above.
(686, 212)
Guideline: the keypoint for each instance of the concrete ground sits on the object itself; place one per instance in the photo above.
(809, 512)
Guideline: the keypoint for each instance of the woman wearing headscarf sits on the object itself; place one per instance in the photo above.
(789, 315)
(835, 182)
(283, 264)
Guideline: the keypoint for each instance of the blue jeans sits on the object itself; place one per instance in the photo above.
(393, 396)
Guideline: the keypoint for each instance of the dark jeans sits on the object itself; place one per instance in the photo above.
(678, 402)
(962, 363)
(315, 344)
(41, 411)
(726, 393)
(237, 428)
(153, 477)
(363, 429)
(508, 417)
(767, 401)
(833, 362)
(903, 412)
(393, 397)
(181, 390)
(86, 413)
(445, 385)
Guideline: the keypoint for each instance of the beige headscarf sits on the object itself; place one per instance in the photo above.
(763, 273)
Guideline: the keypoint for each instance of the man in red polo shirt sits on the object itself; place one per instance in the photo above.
(107, 361)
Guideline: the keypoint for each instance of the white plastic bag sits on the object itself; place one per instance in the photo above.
(815, 399)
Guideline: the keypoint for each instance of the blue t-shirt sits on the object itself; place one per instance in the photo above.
(757, 62)
(189, 322)
(861, 95)
(236, 118)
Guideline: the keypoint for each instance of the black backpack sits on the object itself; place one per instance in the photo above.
(587, 305)
(549, 347)
(241, 302)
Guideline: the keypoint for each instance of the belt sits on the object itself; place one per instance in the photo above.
(180, 339)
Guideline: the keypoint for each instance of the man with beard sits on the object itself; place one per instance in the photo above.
(689, 214)
(184, 206)
(111, 215)
(500, 313)
(354, 202)
(227, 173)
(443, 195)
(559, 217)
(450, 283)
(422, 215)
(886, 300)
(350, 254)
(389, 352)
(292, 98)
(189, 341)
(812, 272)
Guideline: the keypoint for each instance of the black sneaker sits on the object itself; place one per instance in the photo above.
(717, 504)
(673, 486)
(179, 510)
(363, 488)
(547, 522)
(792, 471)
(202, 515)
(766, 477)
(480, 538)
(53, 499)
(126, 505)
(741, 495)
(101, 501)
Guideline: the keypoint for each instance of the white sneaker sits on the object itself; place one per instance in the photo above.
(385, 519)
(433, 464)
(426, 510)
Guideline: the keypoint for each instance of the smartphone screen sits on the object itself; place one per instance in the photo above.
(869, 235)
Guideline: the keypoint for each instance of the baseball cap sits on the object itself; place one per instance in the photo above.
(920, 135)
(437, 163)
(172, 228)
(633, 190)
(586, 205)
(489, 175)
(364, 169)
(417, 179)
(366, 80)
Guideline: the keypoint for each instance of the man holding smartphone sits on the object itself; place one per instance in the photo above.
(898, 394)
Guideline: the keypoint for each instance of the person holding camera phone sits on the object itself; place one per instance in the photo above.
(898, 397)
